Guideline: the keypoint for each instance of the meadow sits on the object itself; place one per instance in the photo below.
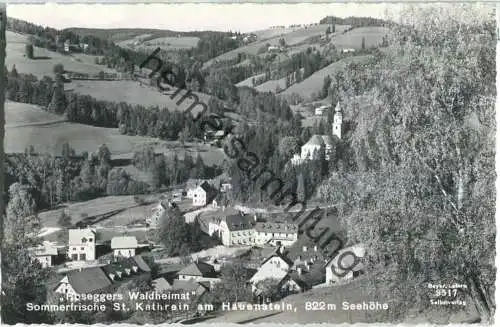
(165, 43)
(353, 39)
(131, 92)
(45, 60)
(314, 83)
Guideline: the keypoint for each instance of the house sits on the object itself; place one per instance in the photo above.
(204, 194)
(199, 288)
(273, 48)
(347, 50)
(303, 277)
(161, 285)
(346, 265)
(83, 46)
(66, 46)
(272, 233)
(210, 220)
(275, 266)
(102, 279)
(237, 229)
(124, 246)
(81, 244)
(84, 281)
(199, 271)
(320, 111)
(44, 254)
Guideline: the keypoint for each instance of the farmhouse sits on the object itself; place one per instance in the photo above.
(161, 285)
(320, 111)
(81, 244)
(43, 254)
(85, 281)
(204, 194)
(346, 265)
(124, 246)
(199, 271)
(276, 266)
(102, 279)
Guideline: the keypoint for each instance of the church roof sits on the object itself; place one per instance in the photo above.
(315, 140)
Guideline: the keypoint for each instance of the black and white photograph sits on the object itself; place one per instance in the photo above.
(248, 163)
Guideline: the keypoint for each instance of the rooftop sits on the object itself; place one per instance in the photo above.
(200, 268)
(276, 227)
(240, 222)
(88, 280)
(124, 242)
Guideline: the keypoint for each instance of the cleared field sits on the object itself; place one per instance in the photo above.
(272, 85)
(352, 39)
(166, 43)
(273, 32)
(131, 92)
(90, 208)
(248, 81)
(44, 64)
(292, 39)
(23, 114)
(315, 82)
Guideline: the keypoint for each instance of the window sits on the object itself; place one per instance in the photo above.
(84, 240)
(82, 256)
(82, 248)
(74, 249)
(90, 240)
(74, 257)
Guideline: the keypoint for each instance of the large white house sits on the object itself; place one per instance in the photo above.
(274, 233)
(346, 265)
(81, 244)
(237, 229)
(204, 194)
(124, 246)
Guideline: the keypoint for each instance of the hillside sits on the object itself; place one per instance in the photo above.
(45, 60)
(145, 43)
(131, 92)
(315, 82)
(353, 38)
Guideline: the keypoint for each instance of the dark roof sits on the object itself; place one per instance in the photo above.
(240, 222)
(141, 263)
(208, 188)
(161, 284)
(199, 268)
(187, 285)
(88, 280)
(314, 276)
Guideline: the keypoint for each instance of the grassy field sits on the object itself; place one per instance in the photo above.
(30, 125)
(23, 114)
(352, 39)
(131, 92)
(248, 81)
(44, 65)
(270, 86)
(90, 208)
(314, 83)
(292, 38)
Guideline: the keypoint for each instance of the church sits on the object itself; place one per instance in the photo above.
(321, 143)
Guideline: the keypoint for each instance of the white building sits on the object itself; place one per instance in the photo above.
(348, 50)
(320, 111)
(124, 246)
(203, 194)
(237, 229)
(346, 265)
(272, 233)
(81, 244)
(275, 266)
(43, 254)
(66, 46)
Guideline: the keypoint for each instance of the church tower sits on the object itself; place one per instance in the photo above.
(337, 121)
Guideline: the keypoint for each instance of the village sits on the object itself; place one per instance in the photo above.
(274, 250)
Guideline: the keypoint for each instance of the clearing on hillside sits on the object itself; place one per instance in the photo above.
(133, 93)
(45, 60)
(353, 39)
(24, 114)
(165, 43)
(314, 83)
